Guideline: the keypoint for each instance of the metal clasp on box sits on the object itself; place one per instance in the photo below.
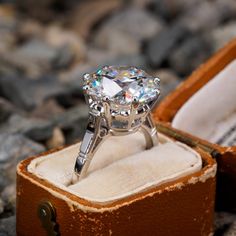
(47, 215)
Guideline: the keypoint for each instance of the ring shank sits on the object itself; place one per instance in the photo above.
(93, 139)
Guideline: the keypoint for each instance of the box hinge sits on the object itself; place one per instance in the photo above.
(47, 215)
(177, 135)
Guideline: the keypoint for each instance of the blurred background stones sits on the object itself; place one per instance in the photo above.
(46, 46)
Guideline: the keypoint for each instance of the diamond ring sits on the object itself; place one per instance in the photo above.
(120, 100)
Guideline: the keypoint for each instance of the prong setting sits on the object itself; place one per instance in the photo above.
(105, 97)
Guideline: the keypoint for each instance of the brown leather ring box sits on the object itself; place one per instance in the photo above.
(168, 190)
(203, 110)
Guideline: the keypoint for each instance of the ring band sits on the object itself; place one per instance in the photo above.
(95, 135)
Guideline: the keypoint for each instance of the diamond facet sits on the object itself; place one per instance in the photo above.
(123, 85)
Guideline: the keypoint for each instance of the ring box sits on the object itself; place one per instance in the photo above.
(130, 191)
(167, 190)
(203, 110)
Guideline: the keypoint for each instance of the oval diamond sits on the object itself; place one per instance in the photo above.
(123, 85)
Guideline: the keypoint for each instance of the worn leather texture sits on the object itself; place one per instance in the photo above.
(181, 207)
(169, 107)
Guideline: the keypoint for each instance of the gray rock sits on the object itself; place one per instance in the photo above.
(161, 45)
(16, 147)
(37, 56)
(27, 93)
(38, 51)
(4, 180)
(6, 109)
(72, 117)
(3, 234)
(69, 44)
(8, 226)
(136, 60)
(190, 54)
(64, 57)
(73, 122)
(103, 57)
(123, 32)
(207, 14)
(135, 22)
(222, 35)
(225, 224)
(1, 206)
(47, 110)
(119, 43)
(170, 9)
(35, 129)
(9, 197)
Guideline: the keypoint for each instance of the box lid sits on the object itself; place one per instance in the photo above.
(222, 65)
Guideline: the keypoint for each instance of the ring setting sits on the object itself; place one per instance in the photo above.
(120, 100)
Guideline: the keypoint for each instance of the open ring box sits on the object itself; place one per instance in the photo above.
(167, 190)
(203, 110)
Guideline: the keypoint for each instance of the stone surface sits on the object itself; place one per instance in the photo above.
(161, 45)
(225, 224)
(1, 206)
(135, 22)
(6, 109)
(170, 9)
(27, 93)
(123, 33)
(83, 11)
(190, 54)
(15, 147)
(72, 117)
(47, 110)
(57, 139)
(73, 122)
(7, 226)
(222, 35)
(203, 16)
(35, 129)
(71, 46)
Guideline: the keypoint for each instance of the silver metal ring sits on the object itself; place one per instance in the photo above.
(120, 100)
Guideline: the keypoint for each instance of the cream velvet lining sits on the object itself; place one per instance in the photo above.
(120, 168)
(211, 112)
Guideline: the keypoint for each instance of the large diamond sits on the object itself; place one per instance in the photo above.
(122, 85)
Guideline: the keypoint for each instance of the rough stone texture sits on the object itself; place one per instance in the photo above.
(136, 22)
(71, 117)
(35, 129)
(7, 226)
(6, 109)
(190, 54)
(15, 147)
(123, 33)
(221, 35)
(161, 45)
(203, 16)
(27, 93)
(57, 139)
(225, 224)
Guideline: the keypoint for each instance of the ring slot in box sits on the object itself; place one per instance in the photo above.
(167, 190)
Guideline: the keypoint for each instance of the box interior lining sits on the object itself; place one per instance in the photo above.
(120, 168)
(211, 112)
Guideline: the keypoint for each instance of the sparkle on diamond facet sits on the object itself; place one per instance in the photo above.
(122, 85)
